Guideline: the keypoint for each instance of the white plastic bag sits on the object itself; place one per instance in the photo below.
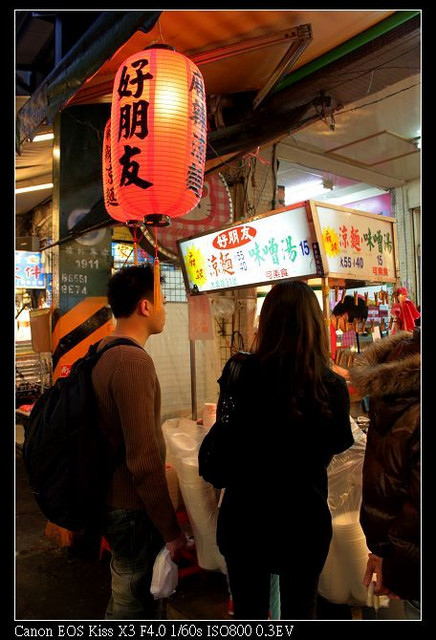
(165, 575)
(340, 581)
(183, 438)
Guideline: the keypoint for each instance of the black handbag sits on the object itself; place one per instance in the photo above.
(214, 456)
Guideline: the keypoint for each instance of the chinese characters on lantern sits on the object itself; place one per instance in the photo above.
(133, 121)
(110, 201)
(158, 134)
(198, 115)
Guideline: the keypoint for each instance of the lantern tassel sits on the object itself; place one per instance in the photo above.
(135, 246)
(157, 295)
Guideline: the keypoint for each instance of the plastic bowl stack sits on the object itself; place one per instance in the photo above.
(341, 579)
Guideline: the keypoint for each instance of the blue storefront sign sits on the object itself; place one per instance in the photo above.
(29, 270)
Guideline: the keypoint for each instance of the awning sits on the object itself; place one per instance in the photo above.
(344, 76)
(230, 48)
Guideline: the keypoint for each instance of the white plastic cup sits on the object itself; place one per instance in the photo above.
(209, 415)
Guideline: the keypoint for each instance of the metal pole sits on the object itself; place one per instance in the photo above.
(326, 308)
(193, 379)
(358, 342)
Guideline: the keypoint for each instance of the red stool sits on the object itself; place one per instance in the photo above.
(104, 547)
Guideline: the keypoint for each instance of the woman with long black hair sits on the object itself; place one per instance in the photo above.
(279, 422)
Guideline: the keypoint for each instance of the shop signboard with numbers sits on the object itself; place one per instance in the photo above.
(305, 240)
(279, 245)
(356, 245)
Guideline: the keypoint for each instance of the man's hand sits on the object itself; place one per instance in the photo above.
(374, 566)
(176, 546)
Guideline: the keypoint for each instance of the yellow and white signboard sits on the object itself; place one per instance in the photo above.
(306, 240)
(356, 245)
(276, 246)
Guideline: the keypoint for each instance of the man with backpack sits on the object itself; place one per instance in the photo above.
(139, 518)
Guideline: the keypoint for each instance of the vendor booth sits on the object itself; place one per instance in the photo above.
(333, 249)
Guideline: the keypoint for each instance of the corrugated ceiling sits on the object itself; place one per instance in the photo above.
(195, 32)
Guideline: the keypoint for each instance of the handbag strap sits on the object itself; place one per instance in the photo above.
(229, 384)
(232, 371)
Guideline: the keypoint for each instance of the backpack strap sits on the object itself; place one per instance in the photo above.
(118, 342)
(94, 352)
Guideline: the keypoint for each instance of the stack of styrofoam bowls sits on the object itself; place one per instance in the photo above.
(201, 505)
(352, 552)
(333, 582)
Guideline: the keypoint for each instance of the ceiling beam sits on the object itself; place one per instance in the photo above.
(246, 45)
(345, 78)
(327, 162)
(257, 129)
(300, 41)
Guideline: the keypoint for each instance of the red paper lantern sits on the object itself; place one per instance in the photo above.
(110, 202)
(158, 134)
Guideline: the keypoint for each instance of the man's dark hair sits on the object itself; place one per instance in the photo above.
(355, 312)
(127, 287)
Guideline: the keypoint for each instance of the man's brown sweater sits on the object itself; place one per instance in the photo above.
(128, 397)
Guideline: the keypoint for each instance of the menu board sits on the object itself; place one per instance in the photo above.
(356, 245)
(268, 248)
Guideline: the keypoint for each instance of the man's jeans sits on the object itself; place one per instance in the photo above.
(134, 542)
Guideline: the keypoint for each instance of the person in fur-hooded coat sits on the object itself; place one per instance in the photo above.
(388, 372)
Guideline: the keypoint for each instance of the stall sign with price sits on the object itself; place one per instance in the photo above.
(356, 245)
(276, 246)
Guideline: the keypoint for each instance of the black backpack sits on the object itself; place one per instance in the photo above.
(66, 456)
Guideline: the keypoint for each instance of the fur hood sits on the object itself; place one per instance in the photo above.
(374, 375)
